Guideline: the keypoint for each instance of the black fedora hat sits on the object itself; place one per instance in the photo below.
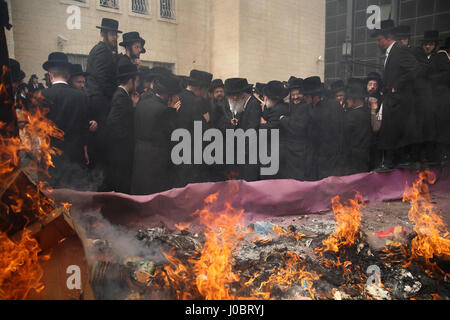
(126, 70)
(215, 84)
(373, 76)
(236, 86)
(17, 73)
(130, 38)
(109, 25)
(275, 90)
(200, 78)
(402, 32)
(355, 88)
(295, 83)
(431, 36)
(167, 84)
(259, 87)
(155, 72)
(337, 86)
(387, 26)
(312, 86)
(77, 70)
(57, 59)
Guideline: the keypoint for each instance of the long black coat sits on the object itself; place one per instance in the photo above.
(272, 118)
(68, 110)
(191, 110)
(327, 138)
(153, 169)
(295, 139)
(120, 141)
(399, 126)
(424, 110)
(358, 137)
(441, 95)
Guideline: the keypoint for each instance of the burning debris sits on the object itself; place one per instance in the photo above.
(230, 260)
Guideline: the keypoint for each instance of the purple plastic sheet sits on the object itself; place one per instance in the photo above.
(261, 200)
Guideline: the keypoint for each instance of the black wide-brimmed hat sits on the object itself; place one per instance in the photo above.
(200, 78)
(77, 70)
(275, 90)
(109, 25)
(337, 86)
(431, 36)
(130, 38)
(236, 86)
(295, 83)
(167, 84)
(126, 70)
(154, 72)
(57, 59)
(446, 44)
(259, 87)
(373, 76)
(402, 32)
(355, 88)
(312, 86)
(387, 26)
(215, 84)
(17, 74)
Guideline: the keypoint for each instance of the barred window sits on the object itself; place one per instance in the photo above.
(167, 9)
(78, 59)
(140, 6)
(112, 4)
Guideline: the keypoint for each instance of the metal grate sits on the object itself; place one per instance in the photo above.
(112, 4)
(167, 9)
(139, 6)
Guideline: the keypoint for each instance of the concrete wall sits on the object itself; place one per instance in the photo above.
(259, 39)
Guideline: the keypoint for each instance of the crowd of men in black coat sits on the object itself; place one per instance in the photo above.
(119, 117)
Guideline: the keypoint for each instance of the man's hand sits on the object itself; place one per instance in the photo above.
(263, 121)
(207, 117)
(175, 104)
(373, 103)
(137, 62)
(282, 117)
(86, 156)
(234, 122)
(135, 98)
(93, 126)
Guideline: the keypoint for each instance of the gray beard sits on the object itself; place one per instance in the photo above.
(236, 107)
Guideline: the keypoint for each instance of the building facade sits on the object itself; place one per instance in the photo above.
(350, 51)
(258, 39)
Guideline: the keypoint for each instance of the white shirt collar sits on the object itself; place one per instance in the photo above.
(58, 82)
(388, 51)
(125, 90)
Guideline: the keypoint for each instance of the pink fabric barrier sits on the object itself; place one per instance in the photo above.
(261, 200)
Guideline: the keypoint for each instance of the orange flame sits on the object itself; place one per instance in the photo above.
(348, 217)
(433, 238)
(20, 271)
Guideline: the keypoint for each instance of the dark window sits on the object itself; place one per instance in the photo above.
(426, 7)
(361, 5)
(443, 22)
(330, 40)
(331, 8)
(443, 5)
(408, 9)
(424, 24)
(113, 4)
(167, 9)
(139, 6)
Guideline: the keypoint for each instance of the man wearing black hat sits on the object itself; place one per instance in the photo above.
(398, 122)
(34, 85)
(217, 101)
(155, 117)
(68, 110)
(134, 46)
(148, 78)
(357, 129)
(402, 34)
(17, 76)
(295, 140)
(78, 77)
(244, 113)
(101, 84)
(424, 108)
(326, 131)
(120, 130)
(338, 92)
(194, 107)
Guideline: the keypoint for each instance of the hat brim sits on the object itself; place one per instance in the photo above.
(128, 74)
(199, 83)
(238, 91)
(50, 64)
(84, 74)
(270, 95)
(109, 29)
(18, 77)
(125, 43)
(295, 87)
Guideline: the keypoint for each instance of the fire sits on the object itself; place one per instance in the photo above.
(348, 217)
(433, 239)
(211, 273)
(20, 271)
